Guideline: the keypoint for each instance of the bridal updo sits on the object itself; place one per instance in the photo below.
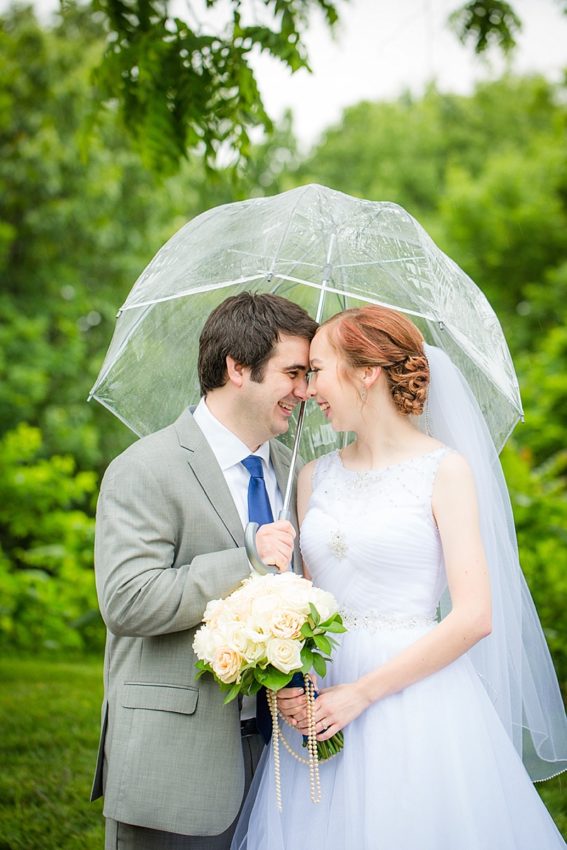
(377, 336)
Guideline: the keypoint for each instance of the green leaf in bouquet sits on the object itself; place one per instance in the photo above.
(319, 664)
(232, 693)
(246, 681)
(254, 687)
(202, 668)
(306, 630)
(306, 659)
(334, 624)
(275, 679)
(323, 643)
(314, 614)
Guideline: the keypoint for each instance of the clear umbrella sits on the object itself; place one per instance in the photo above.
(326, 251)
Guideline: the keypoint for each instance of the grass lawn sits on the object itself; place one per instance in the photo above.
(49, 732)
(49, 714)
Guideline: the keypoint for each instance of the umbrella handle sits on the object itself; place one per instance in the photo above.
(252, 552)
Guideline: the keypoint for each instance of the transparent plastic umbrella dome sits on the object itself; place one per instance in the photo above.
(324, 250)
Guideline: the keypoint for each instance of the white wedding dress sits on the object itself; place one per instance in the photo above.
(429, 768)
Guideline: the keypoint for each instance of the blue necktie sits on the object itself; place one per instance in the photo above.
(259, 508)
(260, 511)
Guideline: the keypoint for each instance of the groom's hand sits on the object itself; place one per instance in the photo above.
(274, 543)
(293, 706)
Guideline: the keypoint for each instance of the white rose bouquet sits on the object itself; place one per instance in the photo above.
(270, 629)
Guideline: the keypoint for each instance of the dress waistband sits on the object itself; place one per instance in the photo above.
(373, 621)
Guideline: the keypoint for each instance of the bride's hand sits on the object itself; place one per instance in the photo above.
(336, 707)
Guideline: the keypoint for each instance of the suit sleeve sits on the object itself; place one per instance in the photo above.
(139, 592)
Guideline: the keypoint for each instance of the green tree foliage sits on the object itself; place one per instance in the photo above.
(46, 586)
(182, 88)
(72, 238)
(487, 22)
(73, 232)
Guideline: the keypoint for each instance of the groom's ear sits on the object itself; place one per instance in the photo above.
(235, 371)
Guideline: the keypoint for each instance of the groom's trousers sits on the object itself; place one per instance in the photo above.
(123, 836)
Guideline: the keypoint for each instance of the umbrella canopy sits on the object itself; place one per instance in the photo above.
(324, 250)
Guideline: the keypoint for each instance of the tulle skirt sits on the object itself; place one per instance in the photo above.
(430, 768)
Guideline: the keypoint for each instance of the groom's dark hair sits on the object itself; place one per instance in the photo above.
(247, 327)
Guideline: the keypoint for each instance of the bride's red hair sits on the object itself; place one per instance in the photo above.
(377, 336)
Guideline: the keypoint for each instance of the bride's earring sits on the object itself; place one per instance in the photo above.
(363, 393)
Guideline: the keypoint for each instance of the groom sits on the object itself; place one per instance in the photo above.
(174, 761)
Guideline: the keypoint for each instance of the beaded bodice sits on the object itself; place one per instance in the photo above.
(370, 538)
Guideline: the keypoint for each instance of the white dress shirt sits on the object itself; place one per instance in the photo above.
(229, 451)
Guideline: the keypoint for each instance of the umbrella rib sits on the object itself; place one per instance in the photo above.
(358, 297)
(208, 287)
(379, 262)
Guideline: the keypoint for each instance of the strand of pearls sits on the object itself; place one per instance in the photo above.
(273, 704)
(314, 781)
(312, 761)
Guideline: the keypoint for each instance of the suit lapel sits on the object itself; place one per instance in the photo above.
(208, 473)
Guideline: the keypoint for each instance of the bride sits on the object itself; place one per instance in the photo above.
(443, 678)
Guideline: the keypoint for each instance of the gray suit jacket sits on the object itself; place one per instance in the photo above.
(168, 540)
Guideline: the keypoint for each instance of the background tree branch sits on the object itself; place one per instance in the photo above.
(179, 88)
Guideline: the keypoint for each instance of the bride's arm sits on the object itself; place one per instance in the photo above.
(456, 513)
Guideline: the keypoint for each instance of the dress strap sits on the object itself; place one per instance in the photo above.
(434, 459)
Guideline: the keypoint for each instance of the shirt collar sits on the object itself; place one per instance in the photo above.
(227, 447)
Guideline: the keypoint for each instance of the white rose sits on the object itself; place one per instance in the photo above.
(287, 623)
(324, 602)
(205, 644)
(244, 640)
(257, 586)
(226, 664)
(263, 611)
(284, 655)
(295, 592)
(254, 651)
(213, 610)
